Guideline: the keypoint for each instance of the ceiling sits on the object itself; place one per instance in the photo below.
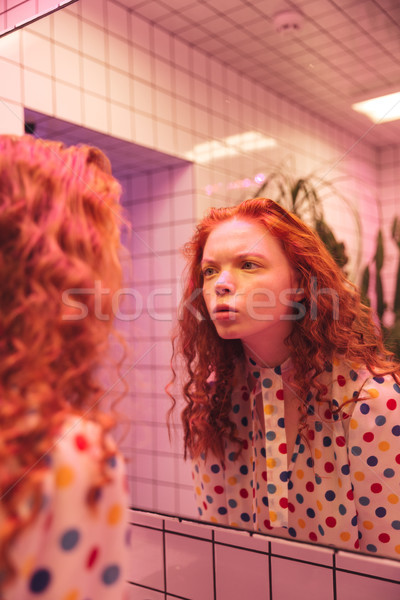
(343, 50)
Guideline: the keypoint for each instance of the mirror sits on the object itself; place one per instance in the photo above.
(200, 134)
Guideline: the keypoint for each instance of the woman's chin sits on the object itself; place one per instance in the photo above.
(227, 333)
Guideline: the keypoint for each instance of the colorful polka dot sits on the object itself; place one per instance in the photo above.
(81, 442)
(64, 476)
(92, 557)
(110, 574)
(69, 539)
(115, 514)
(72, 595)
(40, 581)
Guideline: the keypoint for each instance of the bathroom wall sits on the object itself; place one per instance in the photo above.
(96, 65)
(190, 561)
(160, 205)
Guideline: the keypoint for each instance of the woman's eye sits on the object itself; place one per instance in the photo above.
(248, 264)
(208, 271)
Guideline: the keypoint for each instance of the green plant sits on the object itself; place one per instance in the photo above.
(391, 334)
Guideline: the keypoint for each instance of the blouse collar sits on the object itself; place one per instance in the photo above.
(254, 369)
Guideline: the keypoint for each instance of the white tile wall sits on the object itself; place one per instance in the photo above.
(143, 570)
(159, 478)
(189, 564)
(214, 563)
(241, 574)
(355, 587)
(289, 577)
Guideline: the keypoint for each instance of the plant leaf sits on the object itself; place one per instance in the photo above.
(365, 286)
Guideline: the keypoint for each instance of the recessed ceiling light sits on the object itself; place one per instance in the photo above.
(249, 141)
(381, 109)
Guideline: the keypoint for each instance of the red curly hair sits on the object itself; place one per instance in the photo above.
(323, 332)
(59, 231)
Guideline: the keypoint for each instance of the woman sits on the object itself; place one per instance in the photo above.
(62, 481)
(291, 398)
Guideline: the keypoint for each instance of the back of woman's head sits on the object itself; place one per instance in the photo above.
(59, 238)
(59, 268)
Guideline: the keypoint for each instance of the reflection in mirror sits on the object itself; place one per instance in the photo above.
(140, 78)
(291, 403)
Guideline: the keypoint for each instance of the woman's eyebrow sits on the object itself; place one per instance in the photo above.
(250, 253)
(206, 260)
(239, 255)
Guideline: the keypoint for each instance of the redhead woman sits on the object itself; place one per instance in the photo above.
(291, 413)
(62, 481)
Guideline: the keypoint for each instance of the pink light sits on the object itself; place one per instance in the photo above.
(259, 178)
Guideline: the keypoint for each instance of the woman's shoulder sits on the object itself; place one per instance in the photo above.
(79, 434)
(82, 508)
(377, 390)
(77, 452)
(345, 370)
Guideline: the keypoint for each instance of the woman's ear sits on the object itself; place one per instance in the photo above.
(299, 285)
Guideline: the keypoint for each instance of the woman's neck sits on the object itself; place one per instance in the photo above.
(266, 357)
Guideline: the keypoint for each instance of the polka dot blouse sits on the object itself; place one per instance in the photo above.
(72, 552)
(342, 486)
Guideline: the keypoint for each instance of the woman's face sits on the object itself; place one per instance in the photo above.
(248, 285)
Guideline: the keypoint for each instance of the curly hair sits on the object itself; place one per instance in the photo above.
(59, 237)
(334, 323)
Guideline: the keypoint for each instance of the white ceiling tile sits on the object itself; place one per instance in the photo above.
(132, 3)
(174, 22)
(198, 12)
(272, 7)
(243, 14)
(212, 45)
(224, 5)
(330, 20)
(228, 54)
(234, 36)
(315, 8)
(180, 5)
(254, 47)
(257, 28)
(194, 35)
(153, 10)
(218, 25)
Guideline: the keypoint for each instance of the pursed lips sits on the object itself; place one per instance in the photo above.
(223, 309)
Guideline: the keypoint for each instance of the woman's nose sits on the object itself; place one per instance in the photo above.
(224, 284)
